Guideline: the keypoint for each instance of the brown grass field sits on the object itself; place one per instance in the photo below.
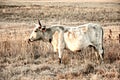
(36, 61)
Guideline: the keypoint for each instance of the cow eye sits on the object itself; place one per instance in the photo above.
(36, 30)
(39, 27)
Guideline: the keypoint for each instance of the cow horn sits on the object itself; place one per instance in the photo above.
(39, 22)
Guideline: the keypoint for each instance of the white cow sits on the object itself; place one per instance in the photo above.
(72, 38)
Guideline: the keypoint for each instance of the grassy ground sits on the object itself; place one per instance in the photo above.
(36, 61)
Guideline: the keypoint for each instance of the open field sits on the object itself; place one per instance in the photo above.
(36, 61)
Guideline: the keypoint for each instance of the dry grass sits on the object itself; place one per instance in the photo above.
(22, 61)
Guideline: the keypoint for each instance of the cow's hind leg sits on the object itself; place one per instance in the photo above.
(96, 52)
(100, 52)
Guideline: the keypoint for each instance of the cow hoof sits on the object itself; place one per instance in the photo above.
(60, 61)
(102, 62)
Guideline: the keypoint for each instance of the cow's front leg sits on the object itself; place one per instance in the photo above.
(61, 45)
(60, 51)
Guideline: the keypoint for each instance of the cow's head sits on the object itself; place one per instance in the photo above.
(37, 33)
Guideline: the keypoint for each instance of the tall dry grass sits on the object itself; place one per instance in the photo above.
(19, 60)
(22, 61)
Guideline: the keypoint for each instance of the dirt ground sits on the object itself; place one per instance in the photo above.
(36, 61)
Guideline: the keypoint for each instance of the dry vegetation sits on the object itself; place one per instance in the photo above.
(36, 61)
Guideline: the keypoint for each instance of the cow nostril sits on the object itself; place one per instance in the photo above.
(29, 40)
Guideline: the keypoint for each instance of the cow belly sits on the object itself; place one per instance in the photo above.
(76, 41)
(72, 42)
(73, 46)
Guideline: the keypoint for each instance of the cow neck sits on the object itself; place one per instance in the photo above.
(56, 28)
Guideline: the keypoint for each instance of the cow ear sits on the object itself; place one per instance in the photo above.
(44, 28)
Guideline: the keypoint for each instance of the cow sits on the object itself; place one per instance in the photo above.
(73, 38)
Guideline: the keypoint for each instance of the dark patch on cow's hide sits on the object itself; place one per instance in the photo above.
(50, 40)
(66, 31)
(94, 27)
(48, 29)
(61, 28)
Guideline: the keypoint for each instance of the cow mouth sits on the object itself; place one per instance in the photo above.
(29, 40)
(50, 40)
